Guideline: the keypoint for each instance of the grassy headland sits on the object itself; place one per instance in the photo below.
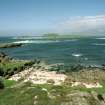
(26, 93)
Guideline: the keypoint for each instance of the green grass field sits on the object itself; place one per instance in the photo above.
(27, 93)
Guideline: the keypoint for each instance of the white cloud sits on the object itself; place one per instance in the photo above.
(82, 24)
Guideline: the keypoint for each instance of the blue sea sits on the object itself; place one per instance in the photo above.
(87, 51)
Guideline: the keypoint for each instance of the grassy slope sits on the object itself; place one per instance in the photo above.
(24, 94)
(11, 65)
(8, 68)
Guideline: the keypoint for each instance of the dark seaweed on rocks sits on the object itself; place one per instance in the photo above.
(10, 45)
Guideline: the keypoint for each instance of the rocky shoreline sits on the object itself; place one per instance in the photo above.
(40, 76)
(38, 72)
(50, 85)
(10, 45)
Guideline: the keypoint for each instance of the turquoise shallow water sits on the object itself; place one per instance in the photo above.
(87, 51)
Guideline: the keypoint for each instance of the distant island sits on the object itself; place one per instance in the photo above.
(55, 36)
(52, 36)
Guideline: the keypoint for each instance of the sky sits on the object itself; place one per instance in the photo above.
(35, 17)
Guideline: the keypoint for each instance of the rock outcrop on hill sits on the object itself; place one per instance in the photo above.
(84, 98)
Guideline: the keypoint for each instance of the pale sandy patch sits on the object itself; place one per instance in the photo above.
(39, 76)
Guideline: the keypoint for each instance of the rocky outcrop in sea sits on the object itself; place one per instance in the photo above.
(10, 45)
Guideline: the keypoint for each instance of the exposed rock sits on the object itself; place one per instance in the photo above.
(86, 85)
(10, 45)
(39, 76)
(2, 55)
(87, 76)
(84, 98)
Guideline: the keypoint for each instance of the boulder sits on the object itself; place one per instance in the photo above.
(2, 55)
